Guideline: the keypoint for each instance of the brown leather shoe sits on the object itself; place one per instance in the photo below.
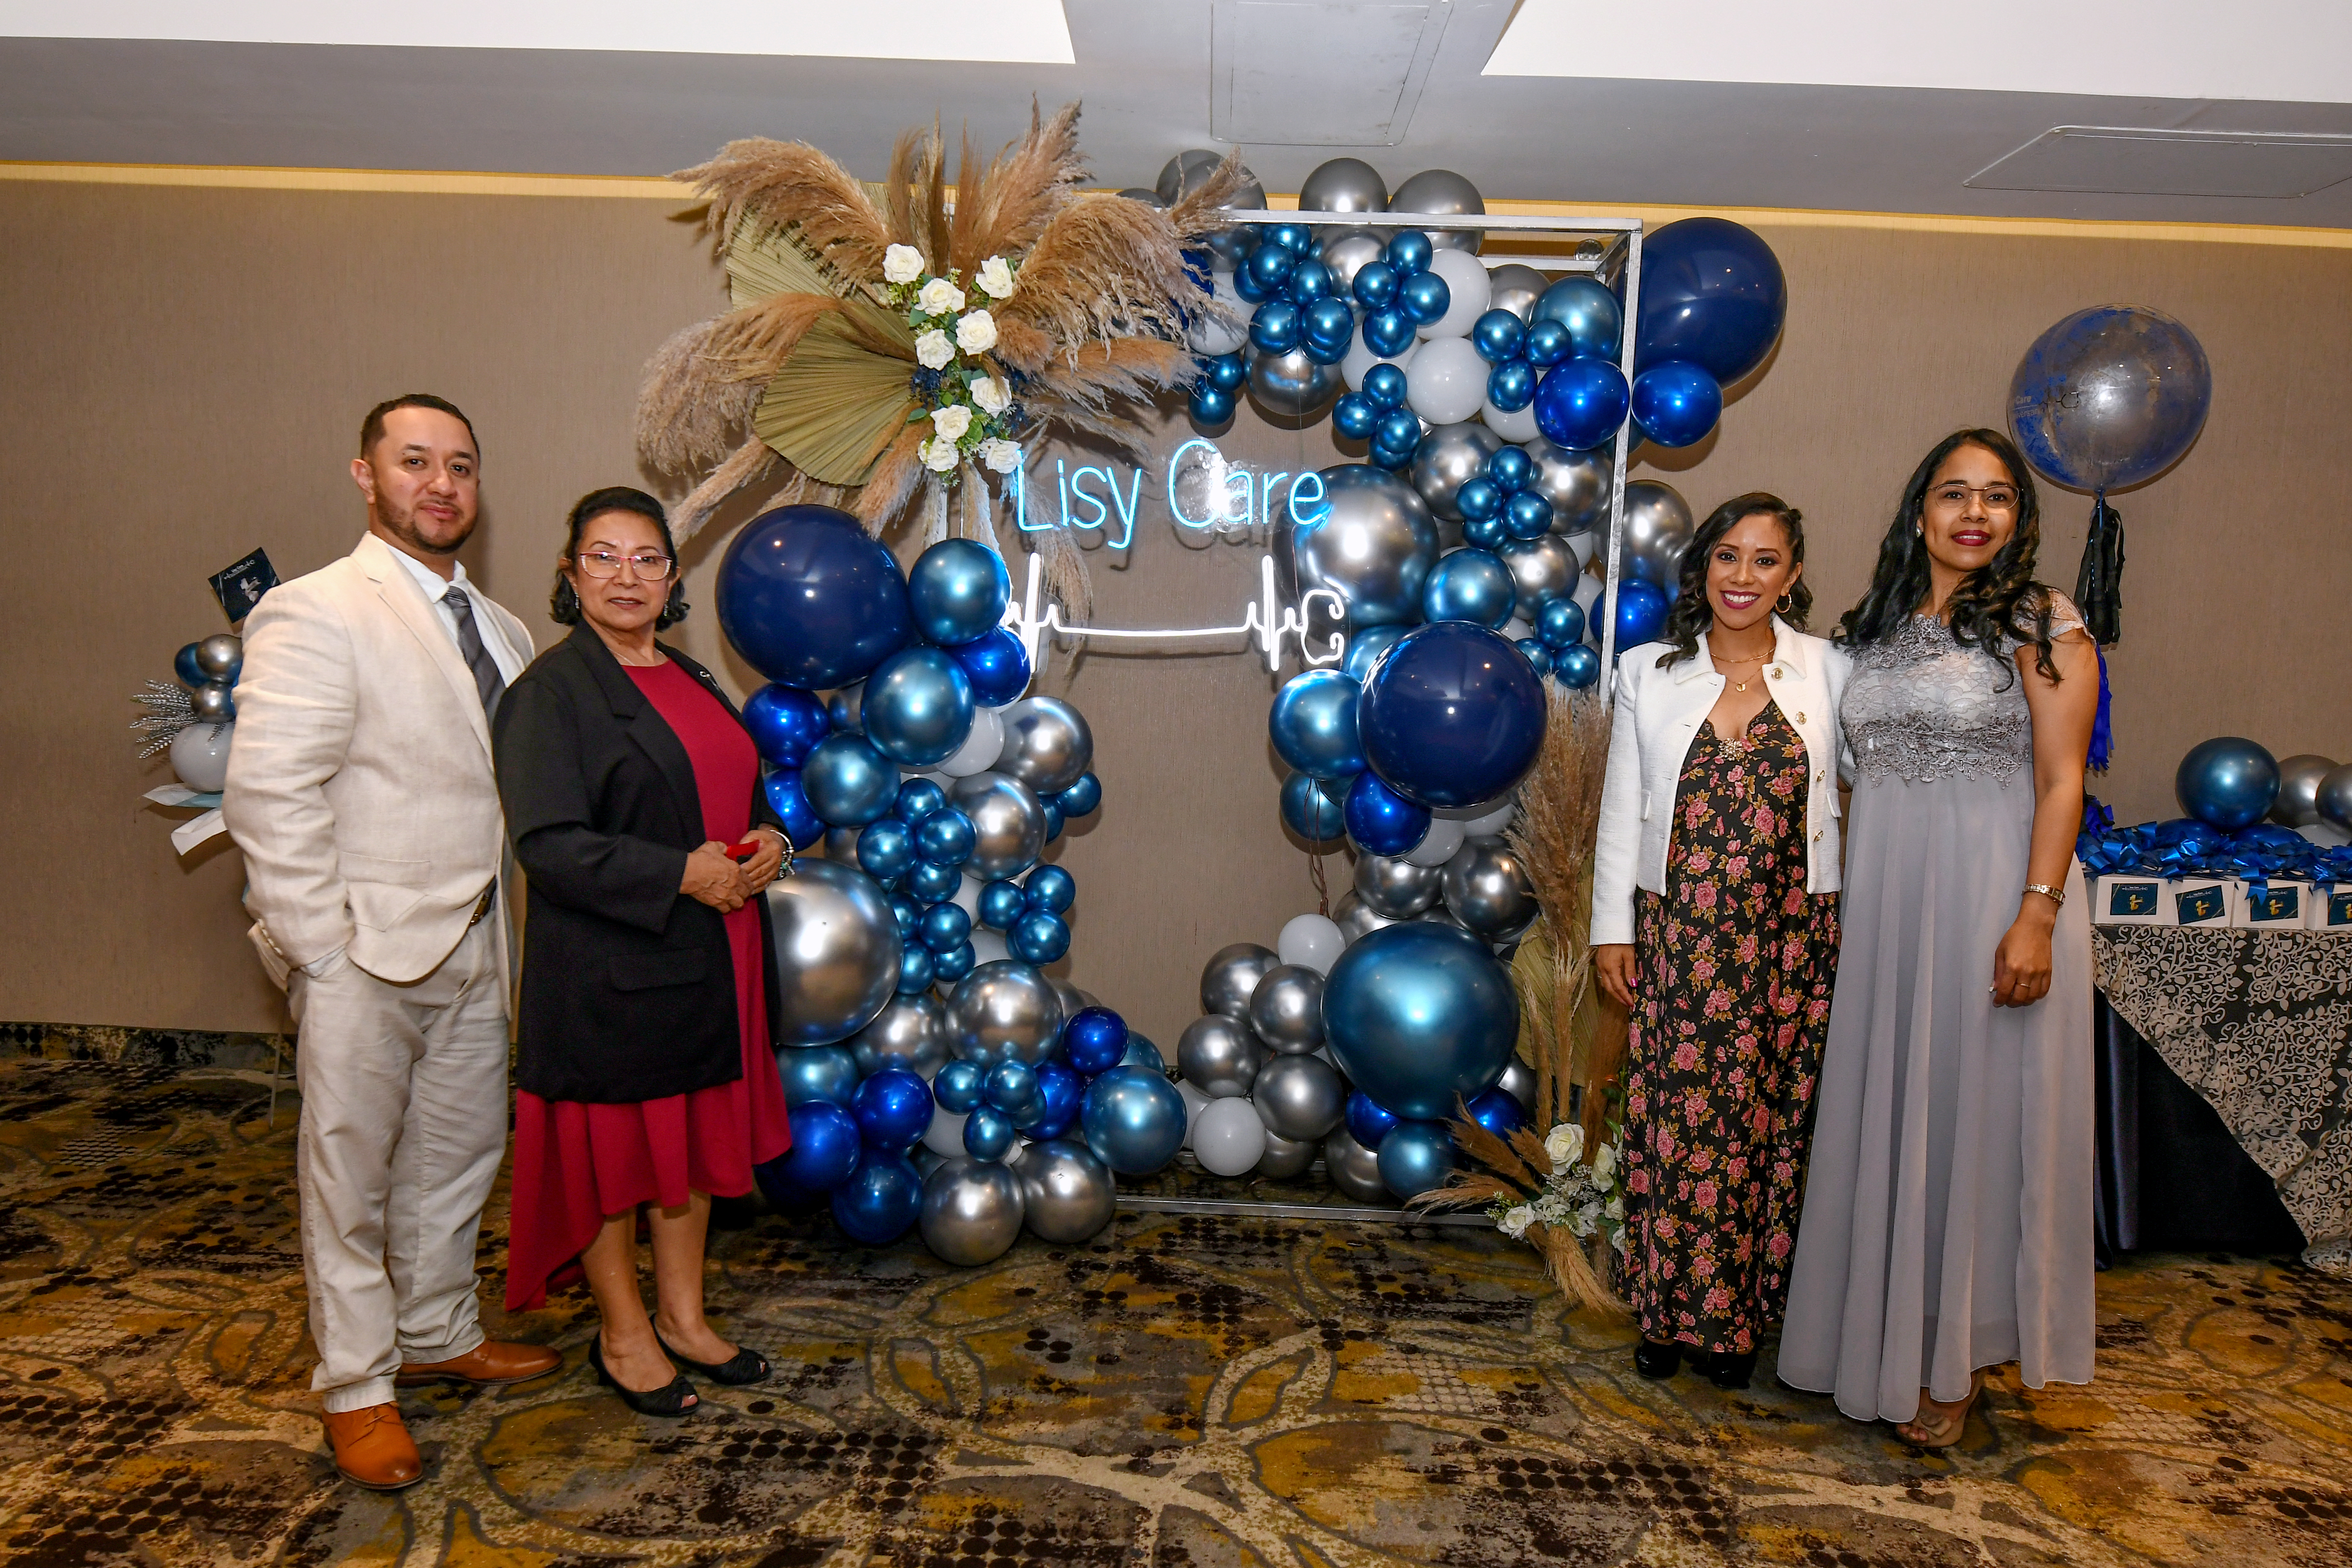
(372, 1447)
(487, 1365)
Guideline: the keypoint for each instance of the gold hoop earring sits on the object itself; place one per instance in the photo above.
(1785, 605)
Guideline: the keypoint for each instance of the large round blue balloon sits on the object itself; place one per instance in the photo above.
(810, 599)
(1096, 1039)
(1380, 819)
(893, 1107)
(1469, 586)
(1675, 403)
(2110, 397)
(1313, 724)
(997, 665)
(917, 707)
(1308, 810)
(825, 1149)
(1420, 1014)
(785, 723)
(849, 782)
(1588, 312)
(1580, 403)
(1416, 1156)
(1134, 1119)
(1368, 1120)
(958, 591)
(1640, 613)
(817, 1072)
(1452, 717)
(789, 802)
(1713, 294)
(880, 1201)
(2227, 782)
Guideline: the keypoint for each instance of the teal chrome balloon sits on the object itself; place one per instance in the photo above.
(1134, 1120)
(958, 1086)
(849, 783)
(988, 1133)
(880, 1201)
(818, 1072)
(886, 849)
(1590, 314)
(918, 798)
(1576, 668)
(1466, 585)
(957, 592)
(1364, 649)
(1142, 1053)
(2227, 782)
(1313, 724)
(1416, 1156)
(1418, 1014)
(917, 707)
(1308, 810)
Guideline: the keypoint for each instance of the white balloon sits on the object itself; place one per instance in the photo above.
(978, 752)
(1516, 426)
(1518, 626)
(1360, 359)
(944, 1136)
(1209, 335)
(1493, 823)
(967, 898)
(1584, 545)
(1437, 846)
(1587, 594)
(1447, 382)
(1228, 1138)
(1193, 1100)
(988, 946)
(1311, 942)
(1470, 294)
(200, 756)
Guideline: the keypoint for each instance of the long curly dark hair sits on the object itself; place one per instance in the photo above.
(563, 604)
(1693, 613)
(1993, 604)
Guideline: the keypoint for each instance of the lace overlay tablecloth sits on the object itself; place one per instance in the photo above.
(2259, 1024)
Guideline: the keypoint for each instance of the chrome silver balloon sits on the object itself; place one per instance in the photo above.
(1448, 457)
(1219, 1056)
(220, 654)
(2333, 799)
(1356, 918)
(1516, 288)
(1658, 528)
(1346, 251)
(1190, 168)
(1394, 888)
(212, 704)
(1047, 744)
(1438, 914)
(1373, 547)
(1576, 483)
(1008, 823)
(1518, 1081)
(972, 1211)
(1148, 198)
(1299, 1096)
(1542, 568)
(1343, 185)
(1442, 191)
(838, 952)
(1355, 1170)
(2298, 797)
(1286, 1011)
(1487, 890)
(1066, 1195)
(1003, 1012)
(1073, 999)
(1284, 1158)
(1291, 386)
(1230, 978)
(910, 1032)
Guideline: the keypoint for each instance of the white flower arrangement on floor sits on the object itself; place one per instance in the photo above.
(1578, 1196)
(970, 407)
(1553, 1193)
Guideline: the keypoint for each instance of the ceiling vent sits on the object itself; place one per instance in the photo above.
(1368, 58)
(2111, 160)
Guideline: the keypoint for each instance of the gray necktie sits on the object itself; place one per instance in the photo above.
(487, 679)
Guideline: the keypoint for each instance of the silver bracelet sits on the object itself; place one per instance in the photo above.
(2055, 895)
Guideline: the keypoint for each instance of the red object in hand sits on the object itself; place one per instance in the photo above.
(738, 853)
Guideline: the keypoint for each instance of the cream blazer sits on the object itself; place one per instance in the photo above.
(1657, 716)
(360, 784)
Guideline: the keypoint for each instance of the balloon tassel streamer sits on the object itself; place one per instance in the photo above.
(2102, 733)
(2098, 587)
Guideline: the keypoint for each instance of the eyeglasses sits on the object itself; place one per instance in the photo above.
(1996, 498)
(602, 564)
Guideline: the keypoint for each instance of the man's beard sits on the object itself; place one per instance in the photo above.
(402, 527)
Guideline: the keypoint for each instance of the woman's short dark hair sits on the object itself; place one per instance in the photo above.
(563, 604)
(1693, 612)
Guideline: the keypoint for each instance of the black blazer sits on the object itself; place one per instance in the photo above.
(628, 986)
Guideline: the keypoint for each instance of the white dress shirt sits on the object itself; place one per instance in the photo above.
(435, 585)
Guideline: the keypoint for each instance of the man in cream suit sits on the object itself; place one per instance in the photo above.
(360, 791)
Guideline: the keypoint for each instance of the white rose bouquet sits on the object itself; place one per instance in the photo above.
(1555, 1193)
(972, 406)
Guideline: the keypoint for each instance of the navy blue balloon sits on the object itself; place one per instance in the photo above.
(1389, 331)
(1354, 415)
(988, 1133)
(1410, 251)
(1581, 403)
(1010, 1086)
(1478, 500)
(893, 1107)
(1210, 404)
(817, 1072)
(1270, 267)
(825, 1149)
(1549, 342)
(1576, 668)
(955, 963)
(1527, 515)
(810, 599)
(1453, 716)
(1310, 812)
(957, 1087)
(189, 667)
(946, 836)
(789, 802)
(958, 591)
(880, 1201)
(918, 798)
(1227, 372)
(1675, 403)
(905, 913)
(2227, 782)
(1038, 937)
(1061, 1095)
(1376, 286)
(1499, 1111)
(1416, 1156)
(1588, 313)
(1275, 327)
(1385, 385)
(1298, 239)
(1142, 1053)
(1001, 903)
(1368, 1120)
(1484, 532)
(849, 782)
(1560, 623)
(785, 723)
(1051, 889)
(1134, 1119)
(887, 849)
(1511, 386)
(1365, 647)
(1425, 297)
(1498, 335)
(1539, 657)
(1640, 613)
(1467, 585)
(1096, 1039)
(1382, 820)
(1082, 798)
(1419, 1014)
(996, 665)
(918, 970)
(1511, 469)
(1399, 430)
(944, 928)
(932, 883)
(1313, 724)
(1713, 294)
(1310, 280)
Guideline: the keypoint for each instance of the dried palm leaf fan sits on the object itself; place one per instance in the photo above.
(813, 376)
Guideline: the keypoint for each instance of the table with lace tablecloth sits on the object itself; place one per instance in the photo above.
(2260, 1025)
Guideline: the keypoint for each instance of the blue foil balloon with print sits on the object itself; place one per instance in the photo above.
(1498, 335)
(817, 1072)
(1134, 1119)
(1410, 252)
(946, 836)
(1082, 798)
(1095, 1039)
(789, 802)
(1313, 724)
(1001, 903)
(1581, 403)
(1375, 287)
(1368, 1120)
(917, 707)
(785, 723)
(958, 1085)
(1589, 319)
(1381, 820)
(1418, 1014)
(958, 591)
(1676, 403)
(1453, 716)
(1310, 812)
(1385, 385)
(1468, 585)
(1038, 938)
(810, 599)
(849, 782)
(893, 1107)
(825, 1149)
(1051, 889)
(880, 1201)
(996, 665)
(887, 849)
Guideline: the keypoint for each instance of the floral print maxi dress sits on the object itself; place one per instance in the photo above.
(1733, 966)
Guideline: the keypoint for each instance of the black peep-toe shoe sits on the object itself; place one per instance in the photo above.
(673, 1398)
(745, 1366)
(1654, 1360)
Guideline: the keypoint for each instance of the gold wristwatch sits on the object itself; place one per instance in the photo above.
(2055, 895)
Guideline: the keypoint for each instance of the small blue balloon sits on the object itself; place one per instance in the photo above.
(189, 667)
(1589, 313)
(1010, 1086)
(944, 928)
(996, 665)
(1511, 469)
(1410, 251)
(1061, 1095)
(1210, 404)
(1052, 889)
(1365, 647)
(1250, 289)
(789, 802)
(817, 1072)
(1389, 332)
(841, 708)
(1499, 1111)
(917, 969)
(1053, 822)
(1298, 238)
(1549, 342)
(1539, 657)
(1082, 798)
(893, 1107)
(825, 1149)
(1484, 532)
(849, 782)
(809, 598)
(1001, 904)
(1675, 403)
(1134, 1119)
(918, 798)
(1376, 286)
(1368, 1120)
(1310, 280)
(1527, 515)
(785, 723)
(1142, 1053)
(1640, 613)
(1453, 716)
(1560, 623)
(958, 591)
(1308, 810)
(1330, 323)
(1393, 459)
(1275, 328)
(955, 963)
(1038, 938)
(1385, 385)
(1354, 415)
(1415, 1157)
(1227, 372)
(1425, 297)
(1580, 403)
(887, 849)
(1577, 667)
(2227, 782)
(1465, 585)
(1313, 724)
(988, 1132)
(905, 913)
(934, 884)
(1420, 1015)
(1511, 386)
(1399, 430)
(880, 1201)
(1269, 267)
(957, 1087)
(1382, 820)
(1096, 1039)
(945, 838)
(1498, 335)
(1479, 498)
(1321, 351)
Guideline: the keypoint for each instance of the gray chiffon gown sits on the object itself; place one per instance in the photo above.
(1947, 1212)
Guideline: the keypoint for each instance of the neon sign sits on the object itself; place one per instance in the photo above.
(1268, 623)
(1207, 495)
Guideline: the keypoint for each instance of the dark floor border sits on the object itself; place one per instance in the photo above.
(133, 1046)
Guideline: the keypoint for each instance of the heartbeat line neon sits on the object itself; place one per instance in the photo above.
(1268, 623)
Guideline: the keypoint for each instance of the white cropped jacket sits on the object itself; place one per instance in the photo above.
(1658, 715)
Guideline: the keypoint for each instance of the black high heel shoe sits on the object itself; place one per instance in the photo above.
(1657, 1360)
(745, 1366)
(673, 1398)
(1728, 1370)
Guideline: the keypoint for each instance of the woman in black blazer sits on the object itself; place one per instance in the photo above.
(646, 1074)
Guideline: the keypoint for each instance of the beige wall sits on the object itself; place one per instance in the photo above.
(183, 371)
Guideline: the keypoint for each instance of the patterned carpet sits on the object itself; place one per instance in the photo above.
(1187, 1392)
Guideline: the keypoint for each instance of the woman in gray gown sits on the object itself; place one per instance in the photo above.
(1947, 1220)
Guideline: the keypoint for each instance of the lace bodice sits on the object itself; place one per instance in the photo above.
(1924, 707)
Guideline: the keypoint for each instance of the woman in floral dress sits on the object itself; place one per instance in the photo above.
(1715, 925)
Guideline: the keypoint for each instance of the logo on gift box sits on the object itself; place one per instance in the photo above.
(2277, 906)
(2132, 897)
(2199, 905)
(2339, 909)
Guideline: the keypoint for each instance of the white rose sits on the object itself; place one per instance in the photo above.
(1604, 1160)
(901, 264)
(938, 455)
(1564, 1145)
(1002, 457)
(939, 298)
(952, 422)
(995, 278)
(1515, 1222)
(933, 351)
(1616, 1210)
(991, 396)
(976, 333)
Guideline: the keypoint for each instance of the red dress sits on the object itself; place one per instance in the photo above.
(576, 1163)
